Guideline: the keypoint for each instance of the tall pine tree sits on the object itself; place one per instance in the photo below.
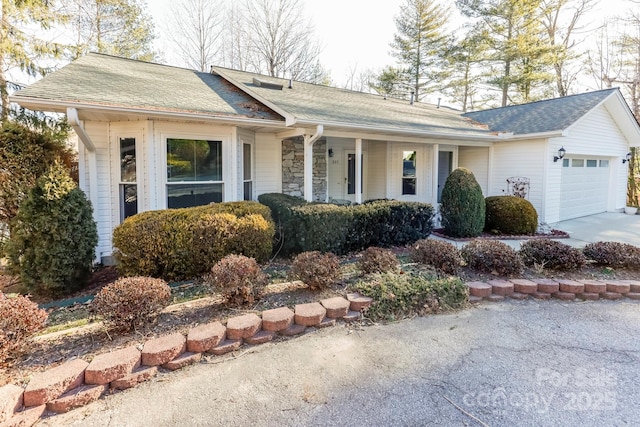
(419, 44)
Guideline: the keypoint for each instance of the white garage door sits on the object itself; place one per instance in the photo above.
(585, 187)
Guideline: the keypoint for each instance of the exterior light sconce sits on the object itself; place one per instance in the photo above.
(330, 152)
(626, 158)
(560, 155)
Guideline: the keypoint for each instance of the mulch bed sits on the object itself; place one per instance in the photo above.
(553, 234)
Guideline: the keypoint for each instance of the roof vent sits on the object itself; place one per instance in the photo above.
(267, 85)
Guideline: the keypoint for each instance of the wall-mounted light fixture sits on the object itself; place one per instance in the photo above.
(330, 152)
(560, 155)
(626, 158)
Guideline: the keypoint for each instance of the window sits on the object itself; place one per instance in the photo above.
(565, 163)
(128, 185)
(409, 172)
(247, 172)
(604, 163)
(592, 163)
(194, 172)
(577, 163)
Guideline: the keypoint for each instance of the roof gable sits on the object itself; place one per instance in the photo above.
(549, 115)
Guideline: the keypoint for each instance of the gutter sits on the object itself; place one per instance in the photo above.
(65, 105)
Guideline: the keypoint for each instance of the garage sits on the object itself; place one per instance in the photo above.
(585, 186)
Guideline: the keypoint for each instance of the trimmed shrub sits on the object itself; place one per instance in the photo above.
(613, 254)
(510, 215)
(339, 229)
(462, 205)
(400, 295)
(551, 254)
(131, 302)
(443, 256)
(239, 278)
(318, 270)
(19, 319)
(53, 237)
(178, 244)
(492, 256)
(378, 260)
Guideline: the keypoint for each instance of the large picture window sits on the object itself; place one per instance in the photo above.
(194, 172)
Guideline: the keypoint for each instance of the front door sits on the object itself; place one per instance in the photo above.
(350, 176)
(445, 164)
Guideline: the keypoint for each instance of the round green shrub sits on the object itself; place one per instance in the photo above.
(131, 302)
(239, 278)
(462, 205)
(551, 254)
(179, 244)
(318, 270)
(53, 237)
(492, 256)
(510, 215)
(441, 255)
(378, 260)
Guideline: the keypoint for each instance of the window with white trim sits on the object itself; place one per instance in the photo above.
(128, 185)
(409, 172)
(194, 172)
(247, 171)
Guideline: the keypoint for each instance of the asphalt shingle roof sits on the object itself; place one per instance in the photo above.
(324, 104)
(541, 116)
(109, 80)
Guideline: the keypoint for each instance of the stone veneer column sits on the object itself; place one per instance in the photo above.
(293, 168)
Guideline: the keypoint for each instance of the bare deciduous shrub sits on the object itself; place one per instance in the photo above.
(492, 256)
(316, 269)
(613, 254)
(378, 260)
(239, 278)
(443, 256)
(19, 319)
(552, 254)
(131, 302)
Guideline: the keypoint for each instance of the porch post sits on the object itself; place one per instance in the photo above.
(358, 170)
(435, 175)
(308, 161)
(308, 168)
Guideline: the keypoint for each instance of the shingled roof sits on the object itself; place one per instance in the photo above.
(311, 103)
(104, 80)
(542, 116)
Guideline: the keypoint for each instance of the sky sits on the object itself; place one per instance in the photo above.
(357, 33)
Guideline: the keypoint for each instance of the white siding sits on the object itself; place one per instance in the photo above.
(424, 176)
(596, 135)
(377, 170)
(476, 159)
(99, 134)
(520, 158)
(268, 164)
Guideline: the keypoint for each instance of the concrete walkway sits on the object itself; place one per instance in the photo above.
(608, 227)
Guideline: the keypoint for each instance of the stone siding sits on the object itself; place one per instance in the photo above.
(293, 168)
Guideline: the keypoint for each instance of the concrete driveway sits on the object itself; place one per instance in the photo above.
(608, 226)
(516, 363)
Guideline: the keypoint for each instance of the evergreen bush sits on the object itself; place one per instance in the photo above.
(510, 215)
(53, 237)
(462, 205)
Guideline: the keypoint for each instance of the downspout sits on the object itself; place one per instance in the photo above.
(76, 124)
(308, 162)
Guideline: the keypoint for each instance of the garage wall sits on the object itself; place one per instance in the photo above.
(595, 135)
(520, 158)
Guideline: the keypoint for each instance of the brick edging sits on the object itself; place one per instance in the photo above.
(76, 383)
(566, 290)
